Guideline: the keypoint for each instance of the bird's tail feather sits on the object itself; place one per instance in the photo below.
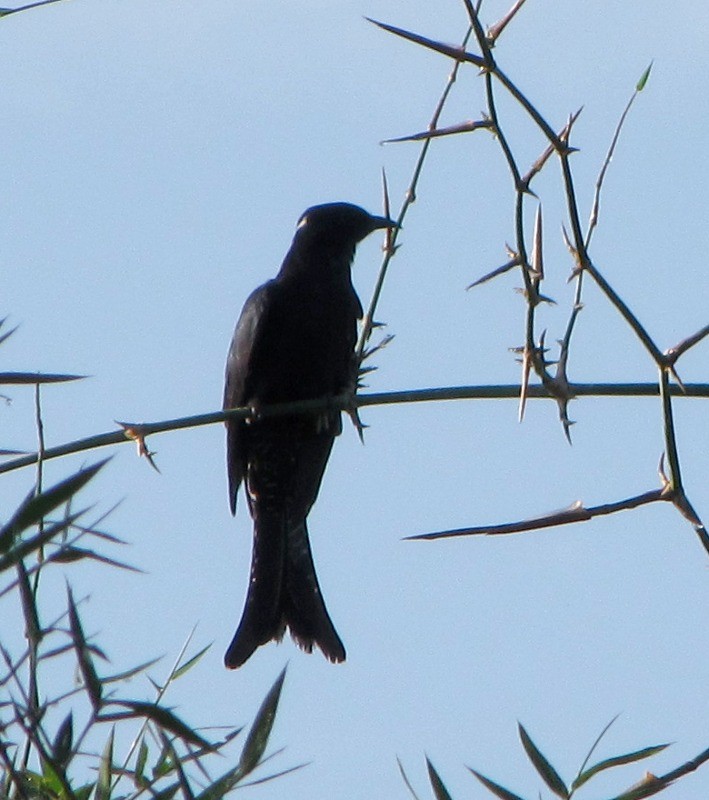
(304, 609)
(262, 618)
(283, 591)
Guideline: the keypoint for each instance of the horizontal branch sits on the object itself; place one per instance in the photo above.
(577, 512)
(139, 430)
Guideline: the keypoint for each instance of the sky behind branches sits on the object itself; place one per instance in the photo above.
(156, 158)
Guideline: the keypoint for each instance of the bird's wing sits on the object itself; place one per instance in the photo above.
(239, 376)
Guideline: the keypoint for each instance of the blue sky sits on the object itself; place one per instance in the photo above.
(156, 158)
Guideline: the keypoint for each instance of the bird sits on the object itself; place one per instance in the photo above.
(294, 340)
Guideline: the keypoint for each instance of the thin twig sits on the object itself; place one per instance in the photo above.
(409, 199)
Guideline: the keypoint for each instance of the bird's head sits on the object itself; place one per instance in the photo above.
(334, 225)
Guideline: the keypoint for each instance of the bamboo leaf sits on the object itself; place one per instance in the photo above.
(187, 666)
(61, 748)
(103, 784)
(643, 79)
(222, 785)
(439, 789)
(83, 654)
(257, 738)
(35, 507)
(69, 554)
(495, 788)
(174, 757)
(406, 779)
(130, 673)
(549, 775)
(617, 761)
(165, 719)
(24, 548)
(140, 762)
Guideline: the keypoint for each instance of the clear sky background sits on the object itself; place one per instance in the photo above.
(156, 156)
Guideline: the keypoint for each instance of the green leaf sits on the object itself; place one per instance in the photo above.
(131, 673)
(140, 762)
(105, 769)
(222, 785)
(643, 79)
(184, 782)
(495, 788)
(84, 792)
(617, 761)
(9, 333)
(594, 746)
(69, 554)
(35, 507)
(187, 666)
(28, 546)
(51, 782)
(164, 719)
(61, 748)
(163, 766)
(549, 775)
(33, 627)
(439, 789)
(83, 655)
(406, 779)
(257, 738)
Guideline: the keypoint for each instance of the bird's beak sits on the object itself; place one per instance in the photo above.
(382, 222)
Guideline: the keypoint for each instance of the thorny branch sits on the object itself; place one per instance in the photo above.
(533, 353)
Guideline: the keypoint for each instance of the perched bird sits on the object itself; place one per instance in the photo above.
(294, 340)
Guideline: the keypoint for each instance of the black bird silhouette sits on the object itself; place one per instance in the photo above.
(294, 340)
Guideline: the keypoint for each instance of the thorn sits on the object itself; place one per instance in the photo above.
(665, 482)
(136, 433)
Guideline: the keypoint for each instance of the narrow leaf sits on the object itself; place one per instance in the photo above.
(174, 757)
(9, 333)
(33, 627)
(24, 548)
(543, 767)
(257, 738)
(140, 762)
(495, 788)
(165, 719)
(187, 666)
(643, 78)
(36, 506)
(406, 779)
(222, 785)
(84, 792)
(83, 654)
(594, 746)
(70, 554)
(61, 748)
(132, 672)
(103, 784)
(617, 761)
(439, 789)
